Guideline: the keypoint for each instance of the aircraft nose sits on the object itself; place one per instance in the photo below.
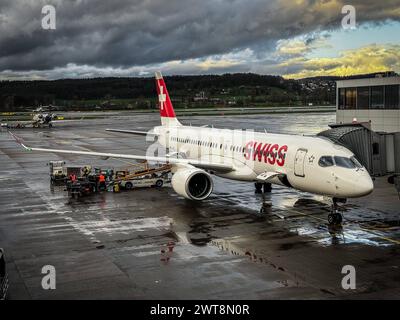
(365, 185)
(356, 185)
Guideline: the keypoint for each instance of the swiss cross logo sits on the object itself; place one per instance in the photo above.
(162, 97)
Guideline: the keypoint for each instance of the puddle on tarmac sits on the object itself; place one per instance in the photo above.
(326, 236)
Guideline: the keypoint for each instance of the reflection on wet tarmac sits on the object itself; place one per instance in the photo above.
(155, 244)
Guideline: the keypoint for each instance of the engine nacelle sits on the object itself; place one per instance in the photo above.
(192, 183)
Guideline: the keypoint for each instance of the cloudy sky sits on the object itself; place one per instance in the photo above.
(296, 38)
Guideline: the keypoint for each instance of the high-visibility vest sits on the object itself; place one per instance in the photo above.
(101, 178)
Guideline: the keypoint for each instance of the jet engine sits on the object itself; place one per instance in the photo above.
(192, 183)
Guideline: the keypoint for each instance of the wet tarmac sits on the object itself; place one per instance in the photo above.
(153, 244)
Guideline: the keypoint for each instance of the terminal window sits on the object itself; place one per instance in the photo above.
(363, 97)
(351, 98)
(377, 97)
(341, 98)
(392, 97)
(369, 97)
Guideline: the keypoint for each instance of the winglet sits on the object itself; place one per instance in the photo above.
(19, 141)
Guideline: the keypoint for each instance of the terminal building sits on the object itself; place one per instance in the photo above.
(373, 100)
(368, 121)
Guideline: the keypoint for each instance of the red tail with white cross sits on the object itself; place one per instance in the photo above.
(167, 112)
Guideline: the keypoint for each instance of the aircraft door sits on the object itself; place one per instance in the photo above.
(299, 162)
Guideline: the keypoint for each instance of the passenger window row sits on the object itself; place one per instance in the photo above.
(208, 144)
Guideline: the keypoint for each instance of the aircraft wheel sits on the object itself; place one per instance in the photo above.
(258, 187)
(335, 218)
(267, 187)
(129, 186)
(339, 218)
(263, 210)
(159, 183)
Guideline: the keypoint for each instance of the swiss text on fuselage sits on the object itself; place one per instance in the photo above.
(271, 153)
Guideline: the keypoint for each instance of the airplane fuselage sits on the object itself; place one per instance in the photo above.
(296, 158)
(311, 164)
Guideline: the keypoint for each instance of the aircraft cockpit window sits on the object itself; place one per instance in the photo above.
(325, 161)
(356, 162)
(344, 162)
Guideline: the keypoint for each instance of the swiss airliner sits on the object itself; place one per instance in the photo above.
(312, 164)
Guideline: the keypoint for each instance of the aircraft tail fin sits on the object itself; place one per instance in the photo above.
(167, 112)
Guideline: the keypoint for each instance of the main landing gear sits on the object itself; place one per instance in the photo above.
(335, 218)
(263, 187)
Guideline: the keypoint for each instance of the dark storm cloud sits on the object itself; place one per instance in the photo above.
(125, 33)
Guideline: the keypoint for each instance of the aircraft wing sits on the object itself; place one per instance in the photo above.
(4, 124)
(207, 165)
(140, 133)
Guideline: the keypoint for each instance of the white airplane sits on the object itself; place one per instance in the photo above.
(311, 164)
(39, 120)
(43, 119)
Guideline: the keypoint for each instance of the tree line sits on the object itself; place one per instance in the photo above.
(23, 94)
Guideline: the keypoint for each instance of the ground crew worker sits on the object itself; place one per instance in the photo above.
(86, 171)
(102, 182)
(72, 177)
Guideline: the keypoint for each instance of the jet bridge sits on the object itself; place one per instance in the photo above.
(378, 152)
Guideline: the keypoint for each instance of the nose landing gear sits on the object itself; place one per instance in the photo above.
(266, 207)
(335, 217)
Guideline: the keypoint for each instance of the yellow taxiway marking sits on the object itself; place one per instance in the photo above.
(380, 236)
(302, 214)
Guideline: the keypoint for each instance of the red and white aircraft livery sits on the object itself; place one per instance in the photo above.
(311, 164)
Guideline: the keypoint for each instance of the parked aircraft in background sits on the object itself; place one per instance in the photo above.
(40, 119)
(43, 119)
